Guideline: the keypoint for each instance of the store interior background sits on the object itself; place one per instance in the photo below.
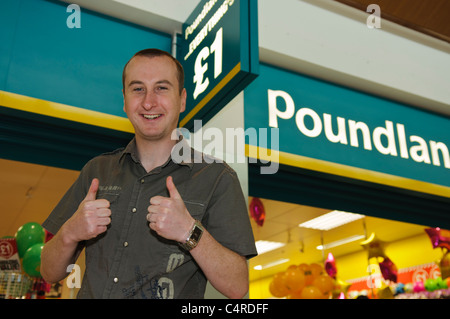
(28, 192)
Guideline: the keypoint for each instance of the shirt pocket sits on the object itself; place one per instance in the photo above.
(111, 197)
(195, 208)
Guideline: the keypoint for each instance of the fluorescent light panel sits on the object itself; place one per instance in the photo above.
(340, 242)
(331, 220)
(263, 246)
(271, 264)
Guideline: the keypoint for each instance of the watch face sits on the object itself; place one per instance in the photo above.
(196, 234)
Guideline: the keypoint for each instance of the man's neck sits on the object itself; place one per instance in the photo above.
(153, 153)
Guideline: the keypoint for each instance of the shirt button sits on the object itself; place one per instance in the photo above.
(134, 210)
(125, 244)
(142, 181)
(116, 279)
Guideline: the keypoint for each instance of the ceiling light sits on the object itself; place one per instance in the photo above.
(340, 242)
(272, 264)
(263, 246)
(331, 220)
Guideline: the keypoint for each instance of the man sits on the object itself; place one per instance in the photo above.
(152, 227)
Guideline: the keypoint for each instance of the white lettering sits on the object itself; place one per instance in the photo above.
(74, 279)
(374, 20)
(274, 112)
(388, 132)
(422, 148)
(74, 20)
(439, 146)
(300, 120)
(402, 141)
(193, 309)
(218, 15)
(353, 127)
(206, 8)
(200, 70)
(341, 136)
(384, 138)
(234, 139)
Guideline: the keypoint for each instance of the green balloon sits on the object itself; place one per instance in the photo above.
(27, 235)
(431, 284)
(441, 284)
(32, 260)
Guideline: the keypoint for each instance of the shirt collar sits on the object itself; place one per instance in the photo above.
(182, 153)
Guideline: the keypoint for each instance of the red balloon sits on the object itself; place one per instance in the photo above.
(257, 211)
(388, 269)
(439, 237)
(330, 266)
(48, 236)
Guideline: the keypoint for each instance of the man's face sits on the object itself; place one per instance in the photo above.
(152, 98)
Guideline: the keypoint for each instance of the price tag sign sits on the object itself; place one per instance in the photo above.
(9, 255)
(219, 53)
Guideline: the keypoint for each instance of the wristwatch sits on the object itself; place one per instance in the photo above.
(194, 236)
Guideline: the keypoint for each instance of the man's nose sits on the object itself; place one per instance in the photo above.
(149, 100)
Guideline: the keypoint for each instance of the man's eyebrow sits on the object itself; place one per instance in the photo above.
(164, 82)
(135, 82)
(158, 82)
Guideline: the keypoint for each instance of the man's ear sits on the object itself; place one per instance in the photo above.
(123, 95)
(183, 100)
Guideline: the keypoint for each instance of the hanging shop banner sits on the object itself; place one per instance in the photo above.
(329, 128)
(219, 52)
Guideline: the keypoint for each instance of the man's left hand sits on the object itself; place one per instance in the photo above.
(168, 216)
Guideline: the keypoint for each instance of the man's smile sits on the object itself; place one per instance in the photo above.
(151, 116)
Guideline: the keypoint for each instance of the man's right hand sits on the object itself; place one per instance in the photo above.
(92, 217)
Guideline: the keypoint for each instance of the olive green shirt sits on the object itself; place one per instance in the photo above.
(130, 260)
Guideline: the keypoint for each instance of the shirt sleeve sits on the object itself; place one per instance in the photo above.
(227, 216)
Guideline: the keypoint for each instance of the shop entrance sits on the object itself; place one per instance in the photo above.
(347, 254)
(394, 217)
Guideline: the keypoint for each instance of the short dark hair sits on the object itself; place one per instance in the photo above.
(150, 53)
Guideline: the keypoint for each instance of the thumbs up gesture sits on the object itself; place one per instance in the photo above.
(168, 216)
(91, 218)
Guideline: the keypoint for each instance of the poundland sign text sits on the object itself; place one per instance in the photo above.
(322, 121)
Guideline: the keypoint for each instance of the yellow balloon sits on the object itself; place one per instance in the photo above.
(324, 283)
(311, 292)
(275, 291)
(295, 280)
(374, 246)
(278, 285)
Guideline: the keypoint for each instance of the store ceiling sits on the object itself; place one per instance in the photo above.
(428, 17)
(28, 193)
(281, 225)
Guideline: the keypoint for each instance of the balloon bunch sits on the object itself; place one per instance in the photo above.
(441, 238)
(30, 239)
(302, 282)
(375, 248)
